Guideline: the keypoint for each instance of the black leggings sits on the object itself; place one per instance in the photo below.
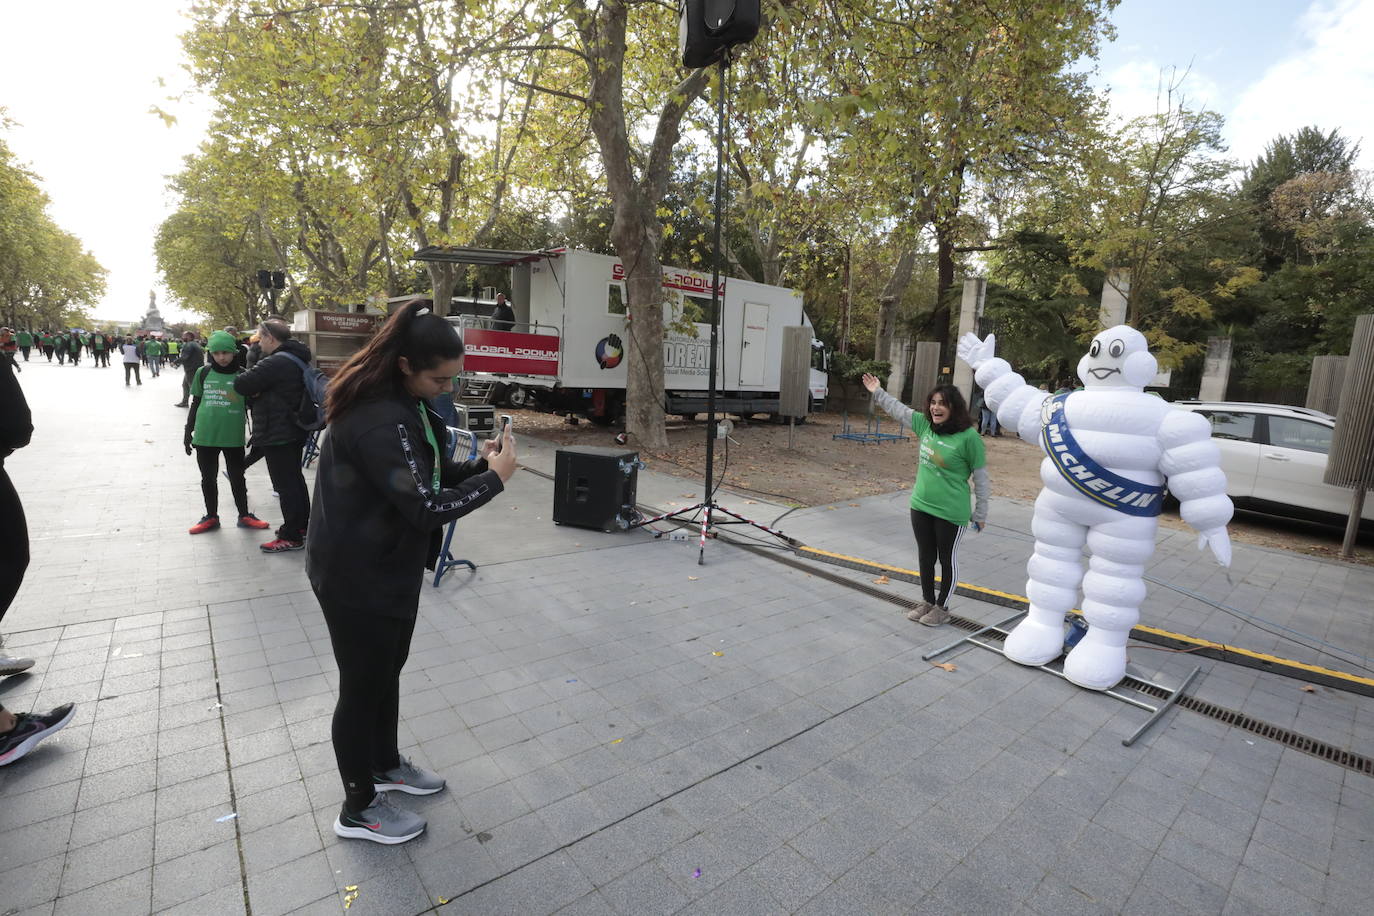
(207, 456)
(14, 542)
(134, 367)
(370, 651)
(936, 536)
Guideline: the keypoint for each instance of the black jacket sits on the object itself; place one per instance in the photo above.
(274, 388)
(191, 357)
(16, 421)
(376, 521)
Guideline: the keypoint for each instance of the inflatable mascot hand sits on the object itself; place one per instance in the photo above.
(1110, 448)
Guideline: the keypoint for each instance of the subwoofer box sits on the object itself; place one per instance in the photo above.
(594, 487)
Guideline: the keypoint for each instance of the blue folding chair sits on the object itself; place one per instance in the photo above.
(312, 448)
(460, 442)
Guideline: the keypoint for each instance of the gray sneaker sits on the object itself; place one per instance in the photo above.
(10, 664)
(937, 616)
(920, 610)
(408, 778)
(380, 822)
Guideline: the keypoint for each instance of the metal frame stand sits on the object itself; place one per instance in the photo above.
(446, 560)
(1156, 712)
(872, 432)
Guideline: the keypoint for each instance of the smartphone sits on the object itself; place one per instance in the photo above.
(500, 431)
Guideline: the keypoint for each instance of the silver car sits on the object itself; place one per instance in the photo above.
(1274, 457)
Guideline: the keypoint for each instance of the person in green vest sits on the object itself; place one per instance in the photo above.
(45, 343)
(60, 343)
(153, 350)
(98, 352)
(25, 342)
(214, 427)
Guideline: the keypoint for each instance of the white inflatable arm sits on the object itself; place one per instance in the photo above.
(1192, 464)
(1006, 393)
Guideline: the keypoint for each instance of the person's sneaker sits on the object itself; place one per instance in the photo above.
(181, 404)
(208, 523)
(30, 729)
(281, 545)
(13, 664)
(249, 520)
(380, 822)
(937, 616)
(921, 609)
(408, 778)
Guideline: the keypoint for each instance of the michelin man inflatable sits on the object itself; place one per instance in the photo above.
(1110, 448)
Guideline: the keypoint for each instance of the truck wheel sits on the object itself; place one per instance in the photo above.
(517, 397)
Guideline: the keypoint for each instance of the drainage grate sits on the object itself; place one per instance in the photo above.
(1286, 737)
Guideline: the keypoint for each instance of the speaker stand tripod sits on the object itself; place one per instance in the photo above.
(708, 506)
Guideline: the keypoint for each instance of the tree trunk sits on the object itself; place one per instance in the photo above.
(635, 227)
(844, 305)
(887, 304)
(635, 243)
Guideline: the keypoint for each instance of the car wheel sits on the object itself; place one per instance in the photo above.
(517, 397)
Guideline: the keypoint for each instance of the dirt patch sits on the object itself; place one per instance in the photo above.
(817, 469)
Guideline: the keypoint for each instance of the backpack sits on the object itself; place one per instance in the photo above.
(310, 413)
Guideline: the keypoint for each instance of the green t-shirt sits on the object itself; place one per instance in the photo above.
(946, 463)
(97, 342)
(152, 348)
(25, 339)
(220, 416)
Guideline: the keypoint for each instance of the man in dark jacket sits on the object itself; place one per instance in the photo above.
(274, 388)
(502, 316)
(191, 358)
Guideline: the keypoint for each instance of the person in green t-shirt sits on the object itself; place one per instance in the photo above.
(214, 427)
(951, 453)
(25, 339)
(153, 351)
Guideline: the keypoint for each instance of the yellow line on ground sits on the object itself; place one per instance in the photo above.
(1167, 634)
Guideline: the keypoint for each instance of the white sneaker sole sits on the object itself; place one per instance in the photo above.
(407, 789)
(362, 833)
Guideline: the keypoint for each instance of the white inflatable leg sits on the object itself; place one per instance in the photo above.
(1113, 591)
(1055, 569)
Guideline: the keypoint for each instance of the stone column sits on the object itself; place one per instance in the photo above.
(926, 372)
(970, 311)
(1216, 369)
(1116, 292)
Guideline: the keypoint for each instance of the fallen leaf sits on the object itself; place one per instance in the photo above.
(693, 578)
(1308, 688)
(881, 580)
(948, 666)
(617, 740)
(717, 654)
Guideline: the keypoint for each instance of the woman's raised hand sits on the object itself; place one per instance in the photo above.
(870, 382)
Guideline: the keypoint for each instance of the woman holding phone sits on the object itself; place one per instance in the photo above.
(384, 490)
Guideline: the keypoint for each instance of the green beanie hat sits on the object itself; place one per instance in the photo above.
(222, 341)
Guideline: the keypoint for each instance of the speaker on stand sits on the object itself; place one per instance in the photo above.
(708, 28)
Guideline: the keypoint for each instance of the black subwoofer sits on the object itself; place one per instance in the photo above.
(595, 487)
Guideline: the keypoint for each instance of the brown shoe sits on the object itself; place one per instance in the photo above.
(921, 609)
(937, 616)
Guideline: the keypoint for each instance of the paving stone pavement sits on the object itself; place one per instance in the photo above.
(626, 731)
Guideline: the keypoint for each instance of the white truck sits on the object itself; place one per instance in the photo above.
(567, 349)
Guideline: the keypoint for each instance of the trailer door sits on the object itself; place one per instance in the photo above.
(754, 347)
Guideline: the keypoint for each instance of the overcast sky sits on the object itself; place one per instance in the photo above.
(80, 78)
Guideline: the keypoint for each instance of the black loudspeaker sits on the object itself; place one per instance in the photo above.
(707, 28)
(595, 487)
